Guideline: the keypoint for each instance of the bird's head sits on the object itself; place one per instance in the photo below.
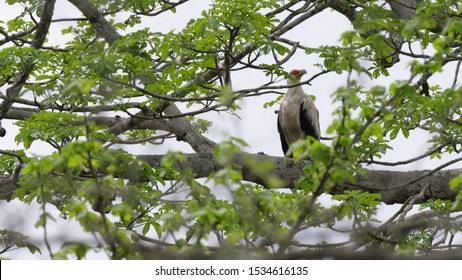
(295, 76)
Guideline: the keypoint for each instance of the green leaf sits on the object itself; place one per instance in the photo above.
(146, 228)
(320, 152)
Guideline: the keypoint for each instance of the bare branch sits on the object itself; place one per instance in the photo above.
(404, 162)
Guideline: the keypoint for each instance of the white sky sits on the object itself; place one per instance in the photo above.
(257, 126)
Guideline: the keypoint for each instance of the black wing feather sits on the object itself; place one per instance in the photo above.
(284, 145)
(307, 124)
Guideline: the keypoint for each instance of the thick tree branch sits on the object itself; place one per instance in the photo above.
(394, 186)
(404, 8)
(186, 132)
(101, 25)
(288, 171)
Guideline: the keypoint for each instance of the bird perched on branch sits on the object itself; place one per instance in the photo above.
(298, 116)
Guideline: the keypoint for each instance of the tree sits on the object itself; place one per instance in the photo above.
(113, 83)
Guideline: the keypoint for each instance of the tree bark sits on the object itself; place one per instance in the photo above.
(393, 186)
(101, 25)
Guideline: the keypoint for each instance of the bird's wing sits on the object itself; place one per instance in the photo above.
(309, 119)
(284, 145)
